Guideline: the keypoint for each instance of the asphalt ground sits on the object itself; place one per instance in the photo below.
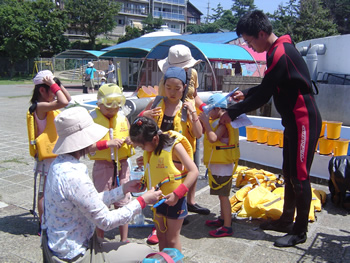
(328, 237)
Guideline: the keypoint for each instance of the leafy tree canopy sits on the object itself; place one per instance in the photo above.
(151, 24)
(131, 33)
(92, 17)
(27, 29)
(314, 21)
(340, 12)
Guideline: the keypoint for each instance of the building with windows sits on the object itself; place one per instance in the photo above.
(176, 14)
(193, 15)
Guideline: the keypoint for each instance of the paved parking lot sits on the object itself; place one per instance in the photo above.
(328, 237)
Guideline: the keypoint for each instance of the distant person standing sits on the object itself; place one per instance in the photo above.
(287, 80)
(111, 73)
(89, 77)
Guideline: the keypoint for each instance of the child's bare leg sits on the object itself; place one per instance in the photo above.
(173, 233)
(225, 210)
(161, 234)
(42, 180)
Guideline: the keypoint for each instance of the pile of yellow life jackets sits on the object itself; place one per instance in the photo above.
(261, 195)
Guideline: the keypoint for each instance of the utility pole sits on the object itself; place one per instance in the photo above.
(207, 18)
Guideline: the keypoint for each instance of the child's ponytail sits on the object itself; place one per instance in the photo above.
(144, 129)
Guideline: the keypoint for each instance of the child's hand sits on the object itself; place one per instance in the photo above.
(225, 118)
(48, 80)
(153, 112)
(188, 105)
(128, 141)
(171, 199)
(115, 143)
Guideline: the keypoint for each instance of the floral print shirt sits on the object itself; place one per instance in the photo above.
(73, 208)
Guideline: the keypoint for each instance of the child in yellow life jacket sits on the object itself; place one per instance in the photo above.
(113, 150)
(48, 96)
(168, 165)
(221, 154)
(170, 113)
(180, 56)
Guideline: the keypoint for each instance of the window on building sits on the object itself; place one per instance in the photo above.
(192, 20)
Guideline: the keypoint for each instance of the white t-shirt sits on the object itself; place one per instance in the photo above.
(111, 74)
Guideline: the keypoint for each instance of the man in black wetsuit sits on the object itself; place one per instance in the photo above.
(287, 79)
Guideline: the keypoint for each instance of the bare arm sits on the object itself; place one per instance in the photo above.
(61, 100)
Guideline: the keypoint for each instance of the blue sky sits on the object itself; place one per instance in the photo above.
(265, 5)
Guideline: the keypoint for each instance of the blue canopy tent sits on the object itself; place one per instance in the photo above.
(207, 52)
(80, 54)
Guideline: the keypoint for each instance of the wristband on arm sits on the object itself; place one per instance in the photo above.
(54, 88)
(141, 113)
(102, 145)
(141, 201)
(201, 106)
(181, 190)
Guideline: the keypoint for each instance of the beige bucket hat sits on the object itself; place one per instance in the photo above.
(76, 130)
(178, 56)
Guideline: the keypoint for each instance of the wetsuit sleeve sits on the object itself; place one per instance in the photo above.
(259, 95)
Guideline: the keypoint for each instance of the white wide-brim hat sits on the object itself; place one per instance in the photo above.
(38, 79)
(178, 56)
(76, 130)
(90, 64)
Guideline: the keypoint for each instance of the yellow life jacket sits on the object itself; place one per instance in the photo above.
(160, 169)
(218, 152)
(179, 126)
(120, 131)
(41, 146)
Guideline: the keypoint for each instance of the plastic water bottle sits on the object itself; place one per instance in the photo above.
(139, 219)
(174, 253)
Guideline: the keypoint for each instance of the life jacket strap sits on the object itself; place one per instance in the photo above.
(227, 147)
(172, 178)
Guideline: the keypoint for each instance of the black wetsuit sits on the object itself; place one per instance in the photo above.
(287, 79)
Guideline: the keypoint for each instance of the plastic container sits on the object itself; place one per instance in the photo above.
(323, 129)
(262, 135)
(174, 253)
(273, 137)
(252, 133)
(280, 133)
(340, 147)
(325, 146)
(333, 130)
(136, 173)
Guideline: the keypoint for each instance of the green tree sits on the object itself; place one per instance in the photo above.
(92, 17)
(241, 7)
(227, 21)
(284, 18)
(340, 11)
(131, 33)
(203, 28)
(150, 24)
(19, 33)
(217, 13)
(314, 21)
(52, 23)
